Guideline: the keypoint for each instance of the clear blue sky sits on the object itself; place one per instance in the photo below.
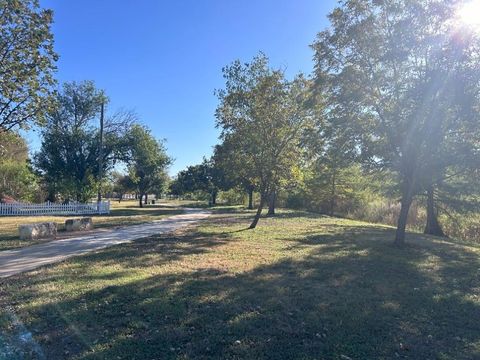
(163, 59)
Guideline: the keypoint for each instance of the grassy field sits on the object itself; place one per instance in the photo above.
(124, 213)
(300, 286)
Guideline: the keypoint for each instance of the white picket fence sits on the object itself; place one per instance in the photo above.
(48, 208)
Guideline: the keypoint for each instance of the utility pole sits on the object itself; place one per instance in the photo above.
(100, 156)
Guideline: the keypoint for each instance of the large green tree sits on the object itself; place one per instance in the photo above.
(262, 116)
(147, 161)
(404, 74)
(69, 156)
(330, 158)
(27, 63)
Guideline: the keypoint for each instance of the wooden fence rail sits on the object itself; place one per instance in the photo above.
(48, 208)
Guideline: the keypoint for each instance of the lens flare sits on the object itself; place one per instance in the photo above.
(469, 14)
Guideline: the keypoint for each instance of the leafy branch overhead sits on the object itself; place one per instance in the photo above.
(27, 63)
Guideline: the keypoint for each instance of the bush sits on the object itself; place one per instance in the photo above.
(462, 226)
(293, 200)
(232, 197)
(386, 211)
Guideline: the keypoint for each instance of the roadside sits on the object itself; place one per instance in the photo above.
(301, 285)
(28, 258)
(124, 213)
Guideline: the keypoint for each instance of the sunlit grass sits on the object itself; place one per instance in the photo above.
(299, 286)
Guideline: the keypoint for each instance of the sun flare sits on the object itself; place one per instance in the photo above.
(469, 14)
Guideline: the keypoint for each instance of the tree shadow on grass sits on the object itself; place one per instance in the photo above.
(350, 295)
(290, 214)
(150, 211)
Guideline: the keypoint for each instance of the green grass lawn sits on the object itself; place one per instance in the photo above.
(124, 213)
(300, 286)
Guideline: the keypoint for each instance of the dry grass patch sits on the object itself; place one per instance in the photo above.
(300, 286)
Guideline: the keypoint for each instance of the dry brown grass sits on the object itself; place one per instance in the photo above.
(300, 286)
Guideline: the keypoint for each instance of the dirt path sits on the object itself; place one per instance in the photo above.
(28, 258)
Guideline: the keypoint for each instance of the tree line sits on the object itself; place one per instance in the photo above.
(393, 103)
(391, 108)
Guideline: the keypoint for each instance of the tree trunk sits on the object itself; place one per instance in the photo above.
(214, 198)
(333, 194)
(271, 203)
(433, 226)
(250, 199)
(51, 195)
(146, 198)
(254, 223)
(406, 202)
(140, 200)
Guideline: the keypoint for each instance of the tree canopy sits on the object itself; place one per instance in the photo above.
(262, 116)
(147, 161)
(206, 177)
(27, 63)
(405, 76)
(69, 155)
